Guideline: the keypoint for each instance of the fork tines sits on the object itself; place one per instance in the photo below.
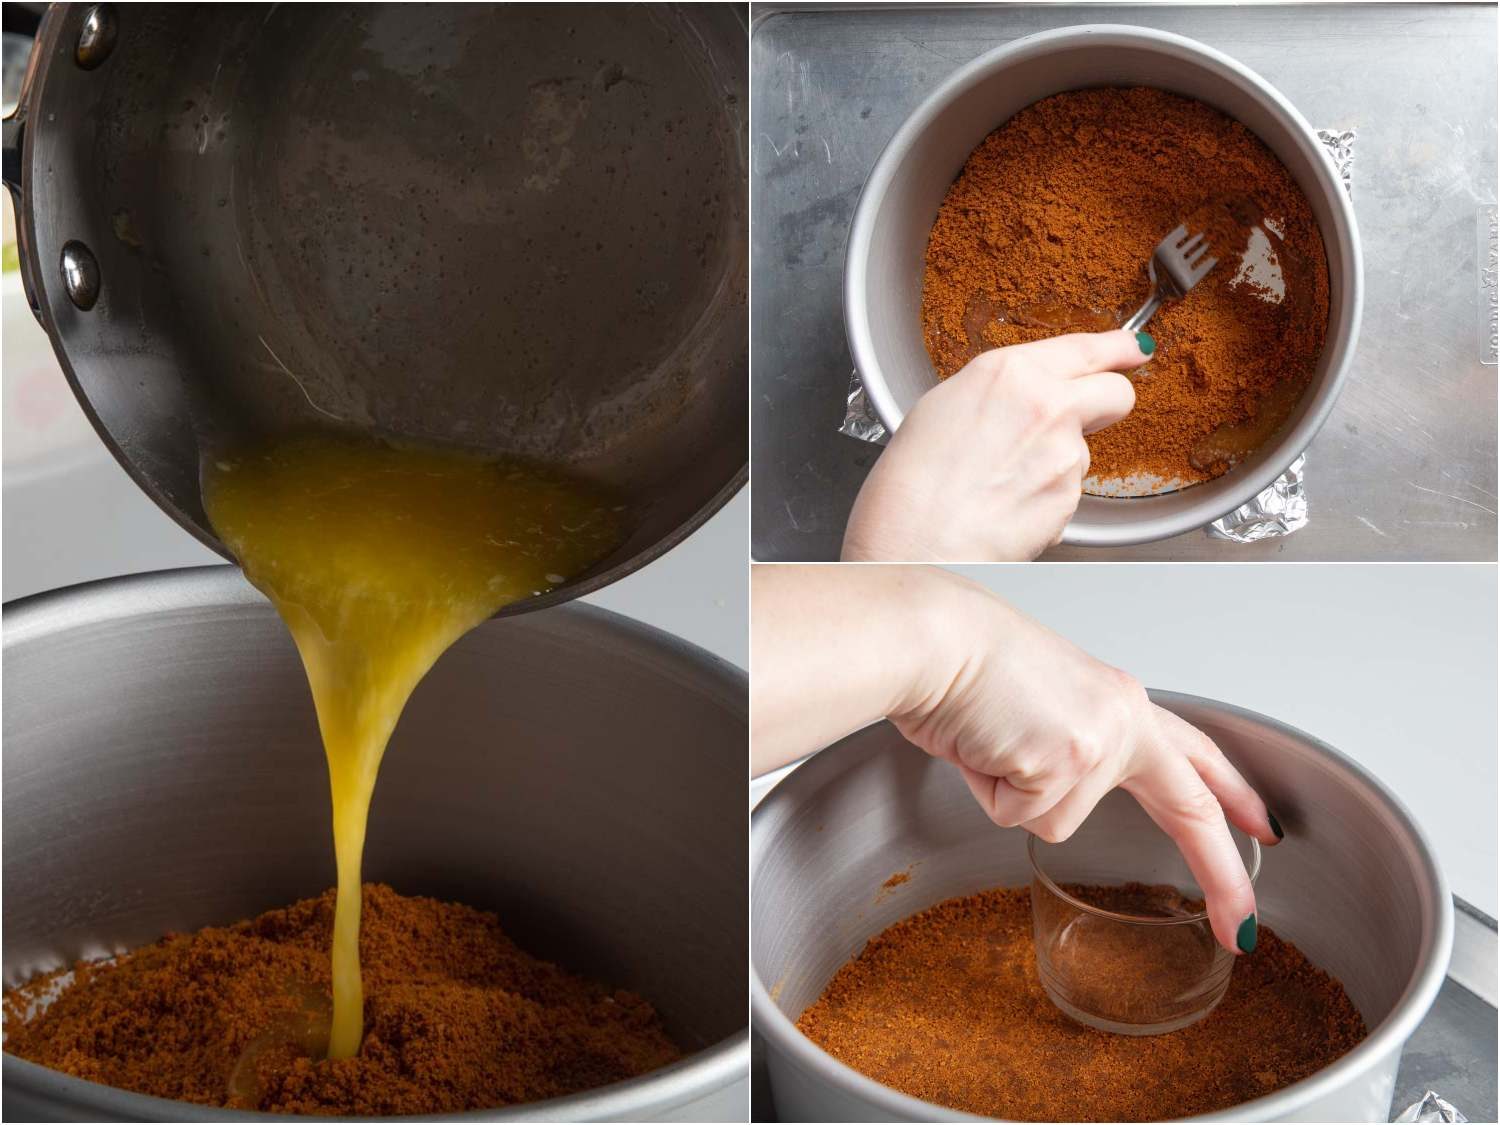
(1192, 250)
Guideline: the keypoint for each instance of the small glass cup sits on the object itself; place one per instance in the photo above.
(1122, 940)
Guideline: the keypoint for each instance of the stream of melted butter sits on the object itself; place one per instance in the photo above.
(378, 559)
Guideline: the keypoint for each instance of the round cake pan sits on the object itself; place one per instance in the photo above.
(578, 773)
(1355, 886)
(888, 239)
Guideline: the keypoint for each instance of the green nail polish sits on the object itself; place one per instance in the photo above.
(1276, 826)
(1244, 937)
(1144, 341)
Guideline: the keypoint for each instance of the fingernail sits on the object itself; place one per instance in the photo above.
(1244, 937)
(1275, 826)
(1144, 341)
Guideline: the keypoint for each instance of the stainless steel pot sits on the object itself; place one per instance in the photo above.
(883, 267)
(579, 773)
(1355, 885)
(508, 228)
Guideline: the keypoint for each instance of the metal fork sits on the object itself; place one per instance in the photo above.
(1178, 263)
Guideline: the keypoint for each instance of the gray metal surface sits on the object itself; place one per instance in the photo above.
(1474, 963)
(1405, 466)
(162, 772)
(1453, 1054)
(504, 228)
(1354, 885)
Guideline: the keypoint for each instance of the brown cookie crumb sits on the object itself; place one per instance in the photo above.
(458, 1017)
(946, 1006)
(1048, 229)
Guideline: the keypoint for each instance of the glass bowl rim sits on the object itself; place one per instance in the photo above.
(1253, 871)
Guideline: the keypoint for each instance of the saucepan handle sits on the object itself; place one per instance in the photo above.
(12, 158)
(21, 21)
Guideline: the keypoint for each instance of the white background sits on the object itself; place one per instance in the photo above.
(1393, 664)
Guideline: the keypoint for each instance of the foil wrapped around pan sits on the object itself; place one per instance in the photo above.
(860, 419)
(1279, 510)
(1430, 1108)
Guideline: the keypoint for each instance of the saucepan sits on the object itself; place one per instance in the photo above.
(506, 228)
(1355, 886)
(578, 773)
(900, 200)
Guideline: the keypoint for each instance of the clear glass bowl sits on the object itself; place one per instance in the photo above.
(1122, 942)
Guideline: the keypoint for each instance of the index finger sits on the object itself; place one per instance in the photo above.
(1174, 796)
(1088, 353)
(1242, 805)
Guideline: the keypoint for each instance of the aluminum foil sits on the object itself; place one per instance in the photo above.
(1280, 510)
(1430, 1108)
(860, 419)
(1341, 147)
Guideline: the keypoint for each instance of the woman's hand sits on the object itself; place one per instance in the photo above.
(1040, 730)
(989, 465)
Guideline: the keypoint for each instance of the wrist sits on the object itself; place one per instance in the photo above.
(875, 545)
(951, 625)
(889, 520)
(873, 534)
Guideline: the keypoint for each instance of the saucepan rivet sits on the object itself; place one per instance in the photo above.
(80, 270)
(96, 39)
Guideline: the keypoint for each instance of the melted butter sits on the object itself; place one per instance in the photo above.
(305, 1029)
(1062, 318)
(1229, 443)
(378, 559)
(980, 312)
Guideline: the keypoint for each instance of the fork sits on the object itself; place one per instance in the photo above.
(1178, 263)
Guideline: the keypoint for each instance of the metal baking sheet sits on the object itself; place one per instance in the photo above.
(1405, 467)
